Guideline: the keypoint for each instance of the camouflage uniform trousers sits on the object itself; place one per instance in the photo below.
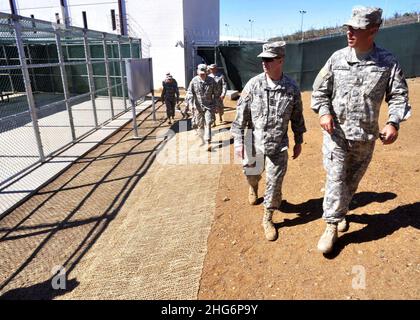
(275, 169)
(201, 121)
(170, 107)
(345, 162)
(219, 109)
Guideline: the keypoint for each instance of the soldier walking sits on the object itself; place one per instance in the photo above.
(222, 88)
(170, 95)
(267, 103)
(201, 98)
(347, 95)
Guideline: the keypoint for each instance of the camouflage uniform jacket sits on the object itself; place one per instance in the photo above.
(170, 90)
(220, 83)
(352, 91)
(201, 94)
(173, 80)
(269, 124)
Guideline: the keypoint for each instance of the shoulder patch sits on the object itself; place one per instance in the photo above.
(323, 75)
(244, 97)
(323, 72)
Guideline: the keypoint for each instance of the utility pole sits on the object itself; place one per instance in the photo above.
(302, 12)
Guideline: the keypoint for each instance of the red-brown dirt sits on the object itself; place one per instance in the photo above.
(377, 258)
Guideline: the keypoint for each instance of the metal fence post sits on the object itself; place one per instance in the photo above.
(215, 53)
(140, 50)
(28, 88)
(33, 72)
(65, 83)
(12, 87)
(51, 76)
(108, 78)
(130, 41)
(193, 59)
(90, 77)
(122, 66)
(131, 97)
(153, 90)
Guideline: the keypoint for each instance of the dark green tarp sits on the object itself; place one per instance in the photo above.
(305, 59)
(49, 79)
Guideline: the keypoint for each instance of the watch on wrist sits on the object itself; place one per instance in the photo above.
(394, 124)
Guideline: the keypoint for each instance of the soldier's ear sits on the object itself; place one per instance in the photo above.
(373, 30)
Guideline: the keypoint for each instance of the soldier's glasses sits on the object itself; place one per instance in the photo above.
(267, 59)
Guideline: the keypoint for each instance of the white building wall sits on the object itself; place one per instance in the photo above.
(98, 15)
(201, 27)
(162, 21)
(41, 9)
(201, 20)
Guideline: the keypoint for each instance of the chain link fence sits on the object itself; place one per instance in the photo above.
(57, 85)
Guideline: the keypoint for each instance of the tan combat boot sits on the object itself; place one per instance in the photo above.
(328, 238)
(253, 195)
(268, 225)
(343, 225)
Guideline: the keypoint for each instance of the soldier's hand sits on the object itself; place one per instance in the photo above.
(327, 123)
(297, 149)
(389, 134)
(239, 150)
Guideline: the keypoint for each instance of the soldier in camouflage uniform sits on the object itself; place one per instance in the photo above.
(170, 94)
(187, 108)
(347, 95)
(267, 103)
(167, 75)
(222, 88)
(201, 95)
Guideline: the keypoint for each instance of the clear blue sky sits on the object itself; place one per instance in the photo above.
(281, 17)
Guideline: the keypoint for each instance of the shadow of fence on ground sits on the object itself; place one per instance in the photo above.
(65, 241)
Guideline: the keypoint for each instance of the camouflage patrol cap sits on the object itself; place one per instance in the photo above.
(362, 17)
(273, 50)
(202, 68)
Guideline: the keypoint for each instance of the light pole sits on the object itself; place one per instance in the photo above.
(227, 29)
(302, 12)
(251, 22)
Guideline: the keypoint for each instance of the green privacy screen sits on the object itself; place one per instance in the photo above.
(305, 59)
(48, 79)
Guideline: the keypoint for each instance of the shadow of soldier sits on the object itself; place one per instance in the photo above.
(312, 209)
(39, 291)
(378, 226)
